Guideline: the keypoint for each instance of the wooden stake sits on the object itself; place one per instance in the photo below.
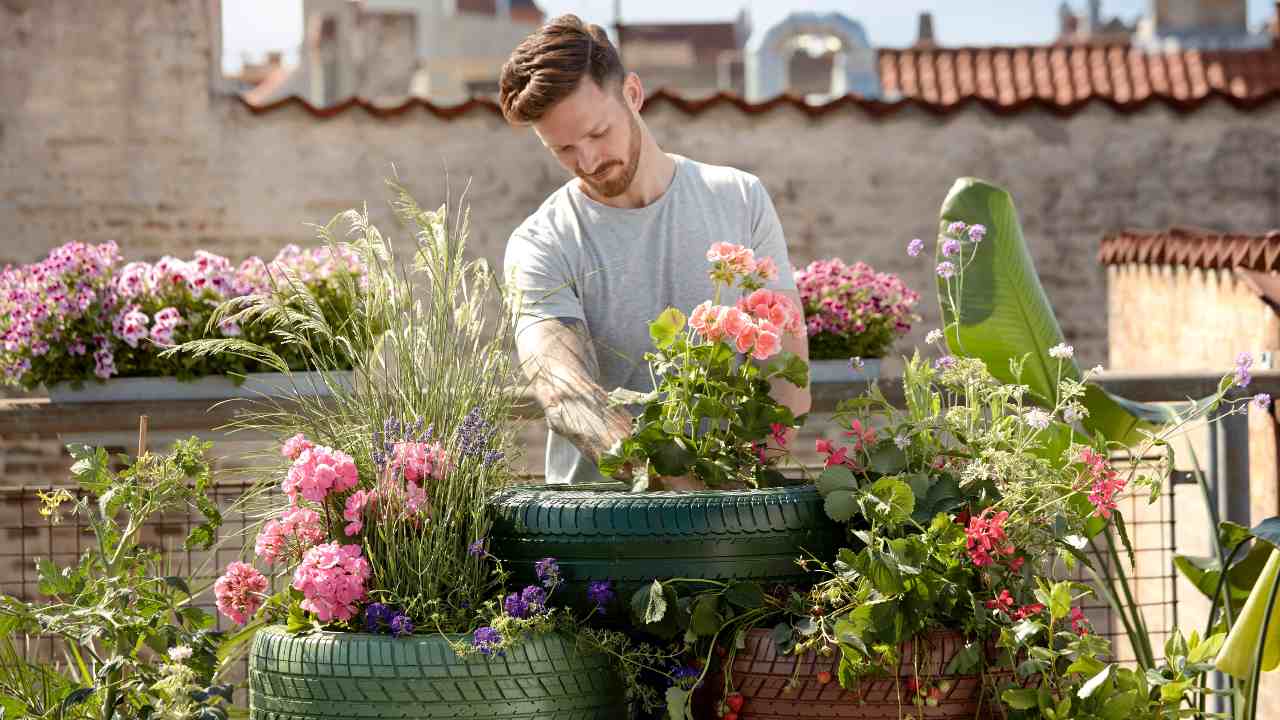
(142, 435)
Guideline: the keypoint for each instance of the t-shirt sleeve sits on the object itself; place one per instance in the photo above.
(767, 239)
(540, 271)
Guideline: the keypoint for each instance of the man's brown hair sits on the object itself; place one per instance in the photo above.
(549, 64)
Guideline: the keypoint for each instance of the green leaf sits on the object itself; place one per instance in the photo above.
(1268, 530)
(783, 638)
(1060, 600)
(891, 501)
(672, 459)
(177, 583)
(649, 603)
(677, 703)
(1231, 534)
(746, 595)
(840, 505)
(888, 459)
(75, 697)
(882, 570)
(1020, 698)
(201, 537)
(1120, 707)
(836, 477)
(1095, 682)
(667, 327)
(706, 620)
(1086, 665)
(1004, 313)
(941, 495)
(1206, 649)
(789, 367)
(966, 661)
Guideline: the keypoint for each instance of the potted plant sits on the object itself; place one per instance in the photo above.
(853, 315)
(90, 328)
(711, 418)
(392, 604)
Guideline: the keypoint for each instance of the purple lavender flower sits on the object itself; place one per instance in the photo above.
(977, 233)
(535, 597)
(950, 247)
(485, 640)
(946, 269)
(601, 593)
(515, 606)
(376, 616)
(493, 456)
(548, 571)
(914, 247)
(401, 625)
(956, 228)
(1262, 401)
(476, 549)
(474, 434)
(946, 362)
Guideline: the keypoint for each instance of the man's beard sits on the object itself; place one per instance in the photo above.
(615, 186)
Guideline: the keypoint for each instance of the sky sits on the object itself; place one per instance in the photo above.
(256, 26)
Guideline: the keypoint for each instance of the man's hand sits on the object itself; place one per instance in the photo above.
(560, 363)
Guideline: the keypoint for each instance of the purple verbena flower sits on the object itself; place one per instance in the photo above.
(956, 228)
(977, 232)
(548, 571)
(946, 269)
(600, 592)
(376, 616)
(401, 625)
(485, 640)
(950, 247)
(914, 247)
(1244, 361)
(535, 597)
(1262, 401)
(946, 362)
(515, 606)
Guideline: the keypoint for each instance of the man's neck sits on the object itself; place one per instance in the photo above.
(653, 177)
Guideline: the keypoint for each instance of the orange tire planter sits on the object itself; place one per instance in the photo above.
(762, 676)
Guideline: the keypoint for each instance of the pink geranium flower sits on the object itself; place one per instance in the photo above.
(318, 471)
(239, 591)
(332, 579)
(290, 535)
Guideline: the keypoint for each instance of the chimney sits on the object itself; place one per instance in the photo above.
(924, 32)
(1095, 16)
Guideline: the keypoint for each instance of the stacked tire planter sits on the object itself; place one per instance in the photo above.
(331, 675)
(634, 538)
(765, 679)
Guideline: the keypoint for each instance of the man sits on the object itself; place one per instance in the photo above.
(616, 245)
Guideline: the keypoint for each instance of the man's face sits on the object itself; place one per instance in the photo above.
(595, 135)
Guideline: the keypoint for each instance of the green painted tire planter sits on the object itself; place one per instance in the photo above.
(331, 675)
(632, 538)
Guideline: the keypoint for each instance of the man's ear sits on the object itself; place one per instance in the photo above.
(633, 91)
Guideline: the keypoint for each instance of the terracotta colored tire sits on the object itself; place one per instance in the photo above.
(762, 676)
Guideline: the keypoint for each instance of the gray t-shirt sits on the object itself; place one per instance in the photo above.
(615, 269)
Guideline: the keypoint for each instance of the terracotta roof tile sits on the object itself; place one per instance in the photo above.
(1005, 80)
(1193, 247)
(1067, 74)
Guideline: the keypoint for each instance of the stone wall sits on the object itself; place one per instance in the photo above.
(111, 127)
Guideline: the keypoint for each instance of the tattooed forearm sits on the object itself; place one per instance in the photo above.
(561, 366)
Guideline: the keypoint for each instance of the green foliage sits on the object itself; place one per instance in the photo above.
(118, 608)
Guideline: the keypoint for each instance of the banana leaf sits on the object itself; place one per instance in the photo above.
(1004, 314)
